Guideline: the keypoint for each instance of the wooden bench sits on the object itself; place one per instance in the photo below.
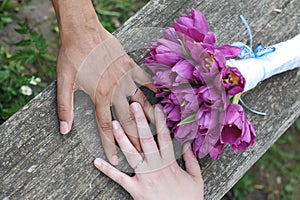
(36, 162)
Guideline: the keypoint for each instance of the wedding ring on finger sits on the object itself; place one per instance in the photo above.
(133, 93)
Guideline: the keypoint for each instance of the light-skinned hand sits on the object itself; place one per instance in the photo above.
(80, 33)
(158, 175)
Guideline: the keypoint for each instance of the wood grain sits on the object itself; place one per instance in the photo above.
(36, 162)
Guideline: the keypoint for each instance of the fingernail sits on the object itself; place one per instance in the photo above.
(114, 160)
(97, 162)
(135, 107)
(116, 125)
(64, 127)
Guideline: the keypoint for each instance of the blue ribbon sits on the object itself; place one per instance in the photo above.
(246, 51)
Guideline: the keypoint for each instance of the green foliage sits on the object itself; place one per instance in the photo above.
(6, 10)
(11, 82)
(244, 186)
(16, 70)
(33, 50)
(281, 160)
(110, 12)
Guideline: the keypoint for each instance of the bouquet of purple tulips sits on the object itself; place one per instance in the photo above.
(199, 92)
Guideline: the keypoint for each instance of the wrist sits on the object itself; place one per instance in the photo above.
(78, 21)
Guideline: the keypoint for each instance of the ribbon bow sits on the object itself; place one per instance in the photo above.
(246, 51)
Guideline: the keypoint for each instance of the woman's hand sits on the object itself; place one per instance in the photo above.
(158, 175)
(82, 41)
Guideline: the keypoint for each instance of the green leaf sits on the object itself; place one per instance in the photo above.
(3, 4)
(236, 98)
(31, 59)
(23, 43)
(187, 120)
(22, 56)
(184, 51)
(21, 31)
(4, 75)
(289, 188)
(24, 24)
(20, 68)
(6, 20)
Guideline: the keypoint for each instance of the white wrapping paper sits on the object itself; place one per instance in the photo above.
(286, 57)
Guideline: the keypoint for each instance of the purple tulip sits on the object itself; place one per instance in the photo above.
(163, 79)
(186, 132)
(165, 53)
(197, 144)
(170, 34)
(229, 51)
(172, 112)
(210, 116)
(192, 80)
(172, 98)
(168, 45)
(209, 94)
(184, 69)
(216, 151)
(193, 104)
(204, 55)
(233, 80)
(207, 143)
(193, 25)
(238, 131)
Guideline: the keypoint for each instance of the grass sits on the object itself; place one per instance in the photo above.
(113, 13)
(276, 175)
(15, 69)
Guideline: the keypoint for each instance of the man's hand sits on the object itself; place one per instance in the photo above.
(81, 34)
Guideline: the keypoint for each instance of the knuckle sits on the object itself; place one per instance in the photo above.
(134, 139)
(163, 136)
(128, 63)
(102, 91)
(62, 108)
(147, 140)
(129, 121)
(106, 127)
(139, 118)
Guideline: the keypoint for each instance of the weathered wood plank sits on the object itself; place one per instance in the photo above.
(36, 162)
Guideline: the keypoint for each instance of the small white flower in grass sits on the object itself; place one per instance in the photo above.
(35, 80)
(26, 90)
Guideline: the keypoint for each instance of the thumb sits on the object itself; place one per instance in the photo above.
(191, 163)
(65, 88)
